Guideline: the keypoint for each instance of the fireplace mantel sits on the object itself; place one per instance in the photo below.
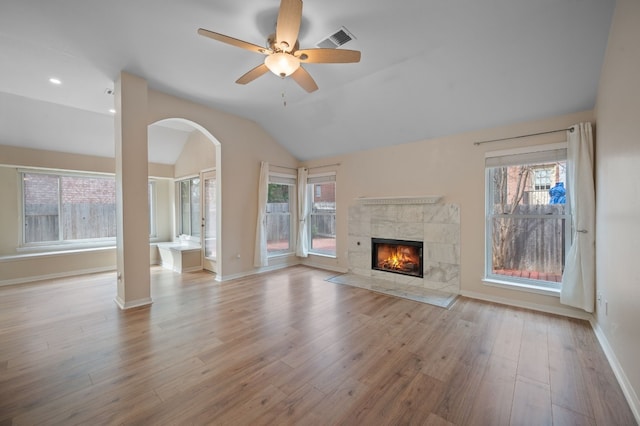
(426, 199)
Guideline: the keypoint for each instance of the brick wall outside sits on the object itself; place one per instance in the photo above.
(42, 189)
(327, 192)
(40, 194)
(88, 190)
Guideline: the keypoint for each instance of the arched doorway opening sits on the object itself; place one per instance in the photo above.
(191, 202)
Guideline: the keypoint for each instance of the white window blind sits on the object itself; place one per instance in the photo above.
(549, 153)
(323, 178)
(282, 179)
(538, 157)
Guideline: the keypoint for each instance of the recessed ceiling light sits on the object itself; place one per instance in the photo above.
(112, 111)
(54, 80)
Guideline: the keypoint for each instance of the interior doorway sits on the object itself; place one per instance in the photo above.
(181, 150)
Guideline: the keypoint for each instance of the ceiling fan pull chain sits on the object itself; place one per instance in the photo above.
(284, 92)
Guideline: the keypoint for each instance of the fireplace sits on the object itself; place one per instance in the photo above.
(397, 256)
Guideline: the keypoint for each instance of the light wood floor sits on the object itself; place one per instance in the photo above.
(290, 348)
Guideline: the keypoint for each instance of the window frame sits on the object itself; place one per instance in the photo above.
(179, 213)
(208, 175)
(312, 180)
(546, 152)
(291, 181)
(60, 242)
(542, 178)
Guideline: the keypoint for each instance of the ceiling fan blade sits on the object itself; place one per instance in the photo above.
(234, 41)
(253, 74)
(288, 24)
(328, 56)
(304, 79)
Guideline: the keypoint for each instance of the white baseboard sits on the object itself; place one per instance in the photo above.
(558, 310)
(623, 380)
(133, 303)
(65, 274)
(253, 272)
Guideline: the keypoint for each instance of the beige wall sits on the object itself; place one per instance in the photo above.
(198, 154)
(25, 157)
(452, 167)
(10, 211)
(53, 265)
(165, 209)
(618, 195)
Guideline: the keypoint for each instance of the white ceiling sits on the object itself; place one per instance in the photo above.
(429, 68)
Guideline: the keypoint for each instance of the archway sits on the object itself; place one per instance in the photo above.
(183, 143)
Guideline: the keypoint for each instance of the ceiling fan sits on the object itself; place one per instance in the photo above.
(283, 56)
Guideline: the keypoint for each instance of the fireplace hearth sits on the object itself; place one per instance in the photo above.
(397, 256)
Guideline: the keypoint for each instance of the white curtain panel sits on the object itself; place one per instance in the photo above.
(302, 245)
(260, 253)
(578, 279)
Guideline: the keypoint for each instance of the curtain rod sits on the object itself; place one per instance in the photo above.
(525, 136)
(314, 167)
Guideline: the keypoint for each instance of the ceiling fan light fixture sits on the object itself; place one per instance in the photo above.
(282, 64)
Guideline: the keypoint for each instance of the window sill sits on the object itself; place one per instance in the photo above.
(547, 291)
(65, 247)
(330, 256)
(281, 254)
(61, 249)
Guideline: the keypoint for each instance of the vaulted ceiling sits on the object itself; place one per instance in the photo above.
(429, 68)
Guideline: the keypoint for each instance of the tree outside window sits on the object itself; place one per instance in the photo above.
(527, 232)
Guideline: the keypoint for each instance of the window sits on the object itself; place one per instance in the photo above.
(322, 214)
(527, 229)
(189, 212)
(65, 207)
(542, 178)
(280, 205)
(210, 216)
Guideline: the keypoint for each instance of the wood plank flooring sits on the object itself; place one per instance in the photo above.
(287, 347)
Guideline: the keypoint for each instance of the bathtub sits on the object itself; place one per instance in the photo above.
(180, 256)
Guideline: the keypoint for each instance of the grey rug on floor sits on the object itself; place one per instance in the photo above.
(432, 297)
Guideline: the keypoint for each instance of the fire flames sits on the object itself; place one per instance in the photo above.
(399, 259)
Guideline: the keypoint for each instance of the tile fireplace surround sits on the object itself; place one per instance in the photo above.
(408, 218)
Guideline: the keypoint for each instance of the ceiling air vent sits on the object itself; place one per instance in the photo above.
(336, 39)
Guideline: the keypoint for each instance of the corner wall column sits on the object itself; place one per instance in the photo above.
(132, 210)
